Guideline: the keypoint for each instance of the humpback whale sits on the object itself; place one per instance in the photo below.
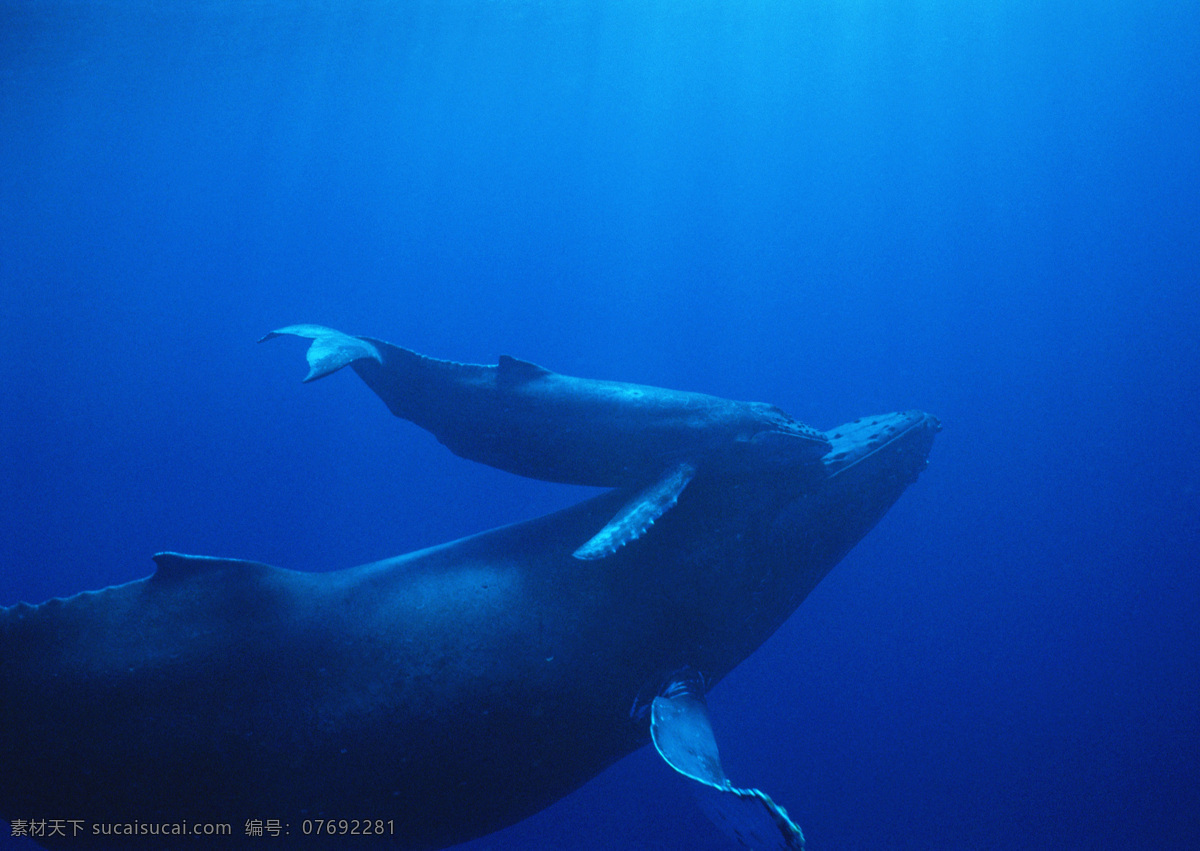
(525, 419)
(437, 696)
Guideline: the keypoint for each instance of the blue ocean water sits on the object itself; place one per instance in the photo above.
(988, 211)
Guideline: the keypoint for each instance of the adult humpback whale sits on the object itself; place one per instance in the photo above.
(435, 696)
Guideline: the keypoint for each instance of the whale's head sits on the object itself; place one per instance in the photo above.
(869, 463)
(899, 443)
(746, 545)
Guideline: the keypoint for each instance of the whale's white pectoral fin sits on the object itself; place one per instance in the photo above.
(639, 514)
(683, 736)
(330, 349)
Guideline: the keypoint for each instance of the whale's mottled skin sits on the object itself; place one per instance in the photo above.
(448, 692)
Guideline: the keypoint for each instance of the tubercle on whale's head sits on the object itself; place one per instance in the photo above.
(901, 436)
(769, 440)
(869, 464)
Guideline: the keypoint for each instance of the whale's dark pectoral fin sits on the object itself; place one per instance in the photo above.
(639, 514)
(330, 349)
(683, 736)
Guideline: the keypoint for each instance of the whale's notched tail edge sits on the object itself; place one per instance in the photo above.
(682, 734)
(330, 350)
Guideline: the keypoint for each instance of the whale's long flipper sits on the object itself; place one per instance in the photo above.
(639, 514)
(683, 736)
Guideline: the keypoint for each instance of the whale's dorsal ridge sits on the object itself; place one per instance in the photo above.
(180, 566)
(515, 369)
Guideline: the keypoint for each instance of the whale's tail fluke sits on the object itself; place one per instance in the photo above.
(330, 349)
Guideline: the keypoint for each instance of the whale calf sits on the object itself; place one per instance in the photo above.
(433, 697)
(525, 419)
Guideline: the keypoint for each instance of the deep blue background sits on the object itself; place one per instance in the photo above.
(987, 210)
